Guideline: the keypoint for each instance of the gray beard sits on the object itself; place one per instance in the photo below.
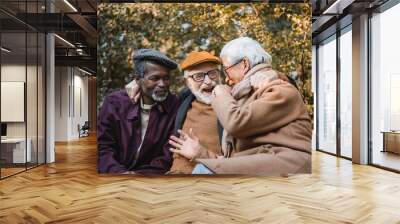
(201, 97)
(159, 98)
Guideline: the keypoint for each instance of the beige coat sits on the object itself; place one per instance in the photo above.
(271, 131)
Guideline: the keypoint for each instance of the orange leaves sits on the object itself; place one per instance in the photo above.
(284, 30)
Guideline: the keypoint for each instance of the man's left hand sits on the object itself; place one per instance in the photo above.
(188, 145)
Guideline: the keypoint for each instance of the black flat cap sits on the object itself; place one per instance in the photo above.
(150, 54)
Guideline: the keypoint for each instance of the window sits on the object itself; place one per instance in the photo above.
(346, 93)
(22, 66)
(385, 89)
(327, 96)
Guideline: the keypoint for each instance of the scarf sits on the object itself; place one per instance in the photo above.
(255, 78)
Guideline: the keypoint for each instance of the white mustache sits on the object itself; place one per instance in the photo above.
(202, 97)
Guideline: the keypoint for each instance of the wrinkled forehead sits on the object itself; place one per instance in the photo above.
(203, 67)
(152, 69)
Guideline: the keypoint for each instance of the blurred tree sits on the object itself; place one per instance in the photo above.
(284, 30)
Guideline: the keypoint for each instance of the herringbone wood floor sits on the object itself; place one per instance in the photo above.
(71, 191)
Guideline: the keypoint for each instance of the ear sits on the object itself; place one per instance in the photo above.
(227, 80)
(246, 62)
(185, 81)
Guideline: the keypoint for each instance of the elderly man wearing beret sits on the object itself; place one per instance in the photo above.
(133, 137)
(201, 71)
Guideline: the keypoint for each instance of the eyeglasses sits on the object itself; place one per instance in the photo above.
(213, 75)
(229, 67)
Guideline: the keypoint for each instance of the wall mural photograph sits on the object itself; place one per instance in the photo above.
(204, 89)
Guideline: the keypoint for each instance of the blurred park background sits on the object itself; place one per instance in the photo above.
(284, 30)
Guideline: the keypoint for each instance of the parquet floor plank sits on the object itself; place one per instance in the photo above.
(71, 191)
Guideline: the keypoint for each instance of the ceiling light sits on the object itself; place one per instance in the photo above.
(337, 7)
(5, 50)
(84, 71)
(65, 41)
(79, 51)
(70, 5)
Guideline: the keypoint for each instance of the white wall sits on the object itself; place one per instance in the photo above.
(33, 127)
(16, 73)
(80, 110)
(61, 103)
(70, 83)
(13, 73)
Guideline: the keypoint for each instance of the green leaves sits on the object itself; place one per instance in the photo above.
(284, 30)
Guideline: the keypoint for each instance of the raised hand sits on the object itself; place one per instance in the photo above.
(219, 89)
(188, 145)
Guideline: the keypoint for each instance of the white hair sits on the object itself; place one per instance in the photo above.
(242, 47)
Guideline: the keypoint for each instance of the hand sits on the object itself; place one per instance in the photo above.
(133, 91)
(219, 89)
(187, 145)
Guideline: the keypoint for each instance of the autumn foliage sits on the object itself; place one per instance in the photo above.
(284, 30)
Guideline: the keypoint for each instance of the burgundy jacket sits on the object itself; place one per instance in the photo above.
(119, 135)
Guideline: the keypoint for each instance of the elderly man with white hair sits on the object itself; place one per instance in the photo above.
(267, 130)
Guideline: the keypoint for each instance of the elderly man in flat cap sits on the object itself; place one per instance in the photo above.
(133, 137)
(201, 71)
(267, 130)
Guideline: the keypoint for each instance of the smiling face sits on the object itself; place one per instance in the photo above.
(156, 81)
(203, 89)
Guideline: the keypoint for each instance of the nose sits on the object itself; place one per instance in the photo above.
(162, 83)
(227, 80)
(207, 80)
